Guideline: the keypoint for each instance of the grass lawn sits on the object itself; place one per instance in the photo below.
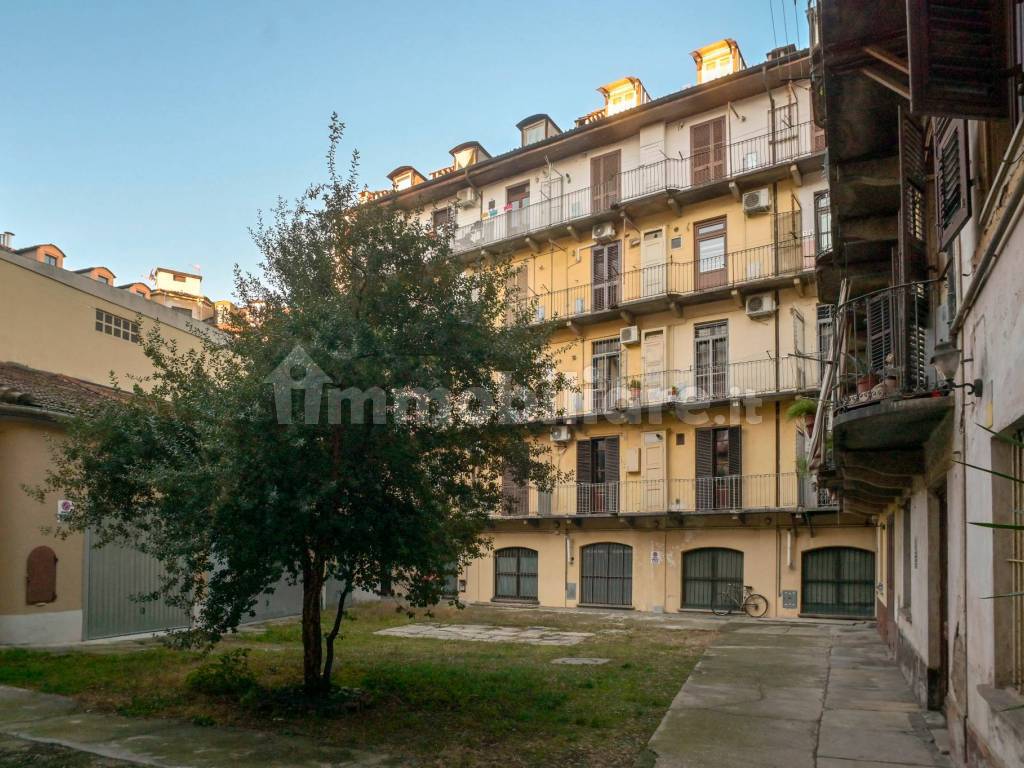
(429, 702)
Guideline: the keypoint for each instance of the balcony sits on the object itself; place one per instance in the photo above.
(885, 400)
(654, 287)
(733, 494)
(701, 175)
(689, 387)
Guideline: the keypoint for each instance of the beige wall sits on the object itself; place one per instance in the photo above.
(771, 557)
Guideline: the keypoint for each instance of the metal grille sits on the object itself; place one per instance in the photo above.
(1017, 569)
(607, 574)
(515, 574)
(709, 572)
(839, 581)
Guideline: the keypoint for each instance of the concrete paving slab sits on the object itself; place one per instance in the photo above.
(484, 633)
(17, 705)
(893, 746)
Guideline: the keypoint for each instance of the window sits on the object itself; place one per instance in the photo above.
(711, 360)
(708, 573)
(838, 581)
(179, 278)
(605, 358)
(822, 222)
(51, 260)
(707, 148)
(533, 133)
(597, 476)
(103, 279)
(906, 546)
(607, 574)
(719, 483)
(112, 325)
(441, 218)
(952, 193)
(710, 251)
(784, 121)
(515, 574)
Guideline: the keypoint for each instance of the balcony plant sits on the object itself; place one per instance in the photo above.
(805, 409)
(634, 389)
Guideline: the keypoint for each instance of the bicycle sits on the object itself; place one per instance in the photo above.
(729, 599)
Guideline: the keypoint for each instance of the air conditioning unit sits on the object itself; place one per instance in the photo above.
(629, 335)
(466, 198)
(757, 201)
(604, 231)
(760, 304)
(561, 434)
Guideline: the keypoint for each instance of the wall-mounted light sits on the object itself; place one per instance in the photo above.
(946, 360)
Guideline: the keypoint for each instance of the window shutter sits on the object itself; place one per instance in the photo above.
(952, 181)
(700, 155)
(583, 475)
(611, 472)
(705, 482)
(599, 277)
(718, 148)
(612, 256)
(515, 494)
(735, 467)
(41, 576)
(912, 183)
(957, 52)
(879, 321)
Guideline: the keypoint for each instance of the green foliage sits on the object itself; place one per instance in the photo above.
(202, 470)
(802, 407)
(226, 674)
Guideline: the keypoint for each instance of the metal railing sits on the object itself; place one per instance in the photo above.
(708, 166)
(695, 495)
(689, 386)
(887, 345)
(787, 257)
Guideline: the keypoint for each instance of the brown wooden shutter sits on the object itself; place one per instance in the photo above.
(913, 261)
(612, 263)
(41, 576)
(818, 139)
(611, 472)
(957, 52)
(704, 485)
(879, 328)
(583, 476)
(700, 152)
(952, 181)
(515, 495)
(599, 278)
(736, 467)
(718, 148)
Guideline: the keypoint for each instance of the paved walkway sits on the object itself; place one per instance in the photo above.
(795, 696)
(39, 718)
(487, 633)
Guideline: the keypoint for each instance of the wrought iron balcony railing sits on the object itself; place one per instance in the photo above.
(716, 164)
(884, 344)
(787, 257)
(732, 493)
(706, 384)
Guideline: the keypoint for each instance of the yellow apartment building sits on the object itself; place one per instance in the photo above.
(670, 242)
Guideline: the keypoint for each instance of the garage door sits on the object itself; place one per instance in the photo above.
(607, 576)
(839, 582)
(708, 573)
(115, 575)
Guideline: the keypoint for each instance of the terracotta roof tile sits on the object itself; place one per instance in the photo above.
(20, 385)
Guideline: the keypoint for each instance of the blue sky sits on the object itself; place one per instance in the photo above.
(138, 134)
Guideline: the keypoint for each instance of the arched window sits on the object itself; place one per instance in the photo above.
(709, 572)
(839, 581)
(607, 574)
(515, 574)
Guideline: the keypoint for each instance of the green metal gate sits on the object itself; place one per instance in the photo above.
(115, 575)
(839, 582)
(607, 574)
(708, 573)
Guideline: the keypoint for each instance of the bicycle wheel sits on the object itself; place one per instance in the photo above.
(755, 605)
(722, 604)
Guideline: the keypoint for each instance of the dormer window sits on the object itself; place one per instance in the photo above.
(404, 177)
(620, 102)
(103, 279)
(533, 133)
(50, 260)
(404, 181)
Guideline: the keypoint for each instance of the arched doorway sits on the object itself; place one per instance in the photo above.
(607, 574)
(709, 572)
(515, 574)
(838, 582)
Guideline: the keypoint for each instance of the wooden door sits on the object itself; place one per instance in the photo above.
(707, 148)
(655, 383)
(604, 181)
(605, 276)
(654, 472)
(517, 208)
(710, 258)
(653, 280)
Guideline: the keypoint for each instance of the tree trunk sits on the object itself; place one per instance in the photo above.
(333, 635)
(312, 650)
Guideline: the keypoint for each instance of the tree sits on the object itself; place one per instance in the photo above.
(355, 427)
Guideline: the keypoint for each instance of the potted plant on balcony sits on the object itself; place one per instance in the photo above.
(634, 390)
(805, 409)
(673, 393)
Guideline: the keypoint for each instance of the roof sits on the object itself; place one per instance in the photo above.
(32, 388)
(170, 271)
(85, 270)
(126, 286)
(536, 119)
(403, 169)
(467, 145)
(28, 248)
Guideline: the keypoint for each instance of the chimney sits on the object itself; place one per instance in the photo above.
(6, 238)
